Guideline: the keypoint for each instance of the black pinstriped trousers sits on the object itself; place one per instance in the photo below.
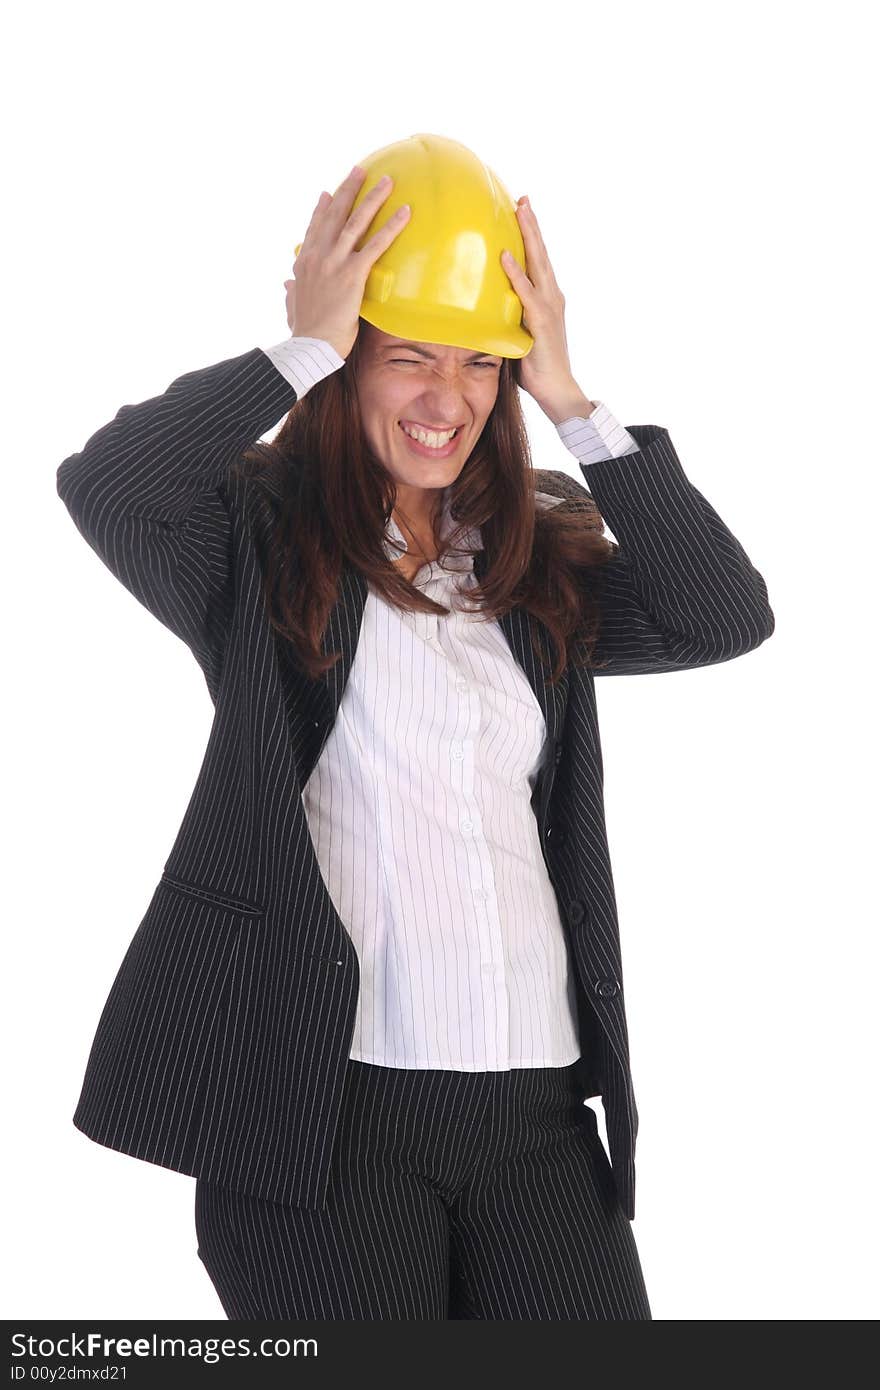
(452, 1195)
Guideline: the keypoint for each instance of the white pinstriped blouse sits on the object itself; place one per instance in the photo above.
(420, 812)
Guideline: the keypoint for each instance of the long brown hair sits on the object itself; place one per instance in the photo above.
(337, 496)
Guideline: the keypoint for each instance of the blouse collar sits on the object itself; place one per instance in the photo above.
(469, 542)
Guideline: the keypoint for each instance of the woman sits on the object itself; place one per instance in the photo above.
(381, 973)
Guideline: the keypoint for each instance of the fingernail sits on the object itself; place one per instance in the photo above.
(356, 170)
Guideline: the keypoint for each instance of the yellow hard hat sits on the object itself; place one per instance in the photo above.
(441, 280)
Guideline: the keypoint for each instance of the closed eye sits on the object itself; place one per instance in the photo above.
(411, 362)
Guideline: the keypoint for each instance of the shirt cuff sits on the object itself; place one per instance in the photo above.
(304, 361)
(596, 436)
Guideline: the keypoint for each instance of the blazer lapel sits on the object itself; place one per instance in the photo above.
(343, 629)
(346, 616)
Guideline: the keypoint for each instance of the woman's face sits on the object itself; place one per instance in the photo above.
(428, 385)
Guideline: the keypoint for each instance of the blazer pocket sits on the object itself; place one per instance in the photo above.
(205, 894)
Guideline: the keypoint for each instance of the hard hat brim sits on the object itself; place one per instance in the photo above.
(446, 330)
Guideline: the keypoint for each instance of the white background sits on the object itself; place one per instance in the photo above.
(703, 179)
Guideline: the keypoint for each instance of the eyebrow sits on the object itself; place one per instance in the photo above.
(423, 352)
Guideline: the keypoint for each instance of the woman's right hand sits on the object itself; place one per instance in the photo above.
(324, 300)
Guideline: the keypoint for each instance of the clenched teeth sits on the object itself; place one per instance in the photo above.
(432, 438)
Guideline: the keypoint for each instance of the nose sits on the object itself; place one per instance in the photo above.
(442, 401)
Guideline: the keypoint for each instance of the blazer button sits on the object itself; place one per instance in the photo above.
(607, 988)
(557, 756)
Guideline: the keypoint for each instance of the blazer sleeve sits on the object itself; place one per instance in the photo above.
(149, 493)
(679, 590)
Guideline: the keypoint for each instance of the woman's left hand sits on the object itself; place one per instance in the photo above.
(545, 371)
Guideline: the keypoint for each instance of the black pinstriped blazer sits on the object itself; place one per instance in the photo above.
(222, 1046)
